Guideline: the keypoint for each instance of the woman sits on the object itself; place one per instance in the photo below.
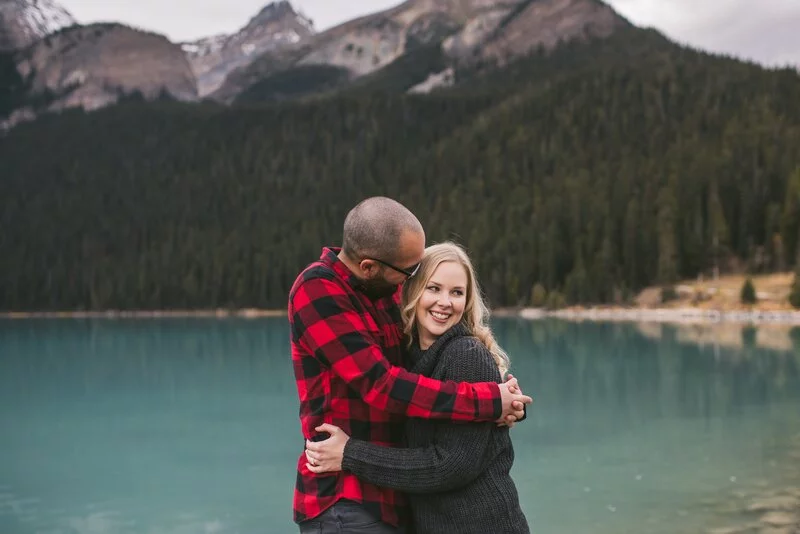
(456, 475)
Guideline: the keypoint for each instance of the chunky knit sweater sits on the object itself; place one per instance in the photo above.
(456, 475)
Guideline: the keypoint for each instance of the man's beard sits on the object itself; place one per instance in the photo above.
(378, 289)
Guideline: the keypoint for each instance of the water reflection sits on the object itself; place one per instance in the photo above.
(184, 426)
(89, 358)
(630, 429)
(145, 426)
(591, 366)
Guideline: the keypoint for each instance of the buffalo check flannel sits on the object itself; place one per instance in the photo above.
(347, 359)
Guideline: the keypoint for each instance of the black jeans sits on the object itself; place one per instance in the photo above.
(347, 517)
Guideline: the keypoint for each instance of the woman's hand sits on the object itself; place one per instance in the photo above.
(513, 402)
(326, 456)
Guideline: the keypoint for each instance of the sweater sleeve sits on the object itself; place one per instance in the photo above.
(457, 455)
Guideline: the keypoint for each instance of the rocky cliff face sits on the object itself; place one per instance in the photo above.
(23, 22)
(370, 43)
(93, 66)
(276, 26)
(545, 23)
(466, 30)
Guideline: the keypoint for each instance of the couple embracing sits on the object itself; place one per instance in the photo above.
(405, 401)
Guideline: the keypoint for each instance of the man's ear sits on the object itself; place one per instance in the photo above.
(369, 268)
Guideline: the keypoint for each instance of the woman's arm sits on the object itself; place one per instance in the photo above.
(457, 455)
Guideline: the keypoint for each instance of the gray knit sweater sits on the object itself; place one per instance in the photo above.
(456, 475)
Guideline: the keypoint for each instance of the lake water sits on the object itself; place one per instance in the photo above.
(189, 426)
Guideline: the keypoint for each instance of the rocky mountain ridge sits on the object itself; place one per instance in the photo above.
(93, 66)
(276, 26)
(23, 22)
(467, 31)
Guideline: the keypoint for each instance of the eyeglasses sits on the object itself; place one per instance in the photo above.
(411, 271)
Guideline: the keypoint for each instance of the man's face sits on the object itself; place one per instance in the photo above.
(385, 278)
(379, 287)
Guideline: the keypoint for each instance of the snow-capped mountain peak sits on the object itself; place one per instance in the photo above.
(22, 22)
(206, 45)
(45, 16)
(276, 25)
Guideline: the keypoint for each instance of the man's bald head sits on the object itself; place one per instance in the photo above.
(375, 228)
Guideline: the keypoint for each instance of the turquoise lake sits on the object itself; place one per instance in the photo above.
(189, 426)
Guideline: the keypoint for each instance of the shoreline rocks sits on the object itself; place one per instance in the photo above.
(663, 315)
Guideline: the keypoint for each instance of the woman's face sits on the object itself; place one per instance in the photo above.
(442, 303)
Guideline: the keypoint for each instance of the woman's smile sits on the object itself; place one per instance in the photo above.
(442, 303)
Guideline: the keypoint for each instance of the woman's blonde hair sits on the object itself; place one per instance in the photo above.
(476, 314)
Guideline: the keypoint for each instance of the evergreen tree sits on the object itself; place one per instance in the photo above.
(555, 301)
(794, 296)
(790, 223)
(538, 296)
(667, 248)
(594, 170)
(748, 293)
(668, 294)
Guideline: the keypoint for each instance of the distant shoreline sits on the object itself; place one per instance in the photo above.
(247, 313)
(686, 315)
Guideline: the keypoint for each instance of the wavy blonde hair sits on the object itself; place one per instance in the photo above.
(476, 314)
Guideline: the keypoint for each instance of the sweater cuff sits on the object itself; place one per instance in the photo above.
(497, 402)
(350, 453)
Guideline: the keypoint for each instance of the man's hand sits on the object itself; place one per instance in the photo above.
(513, 402)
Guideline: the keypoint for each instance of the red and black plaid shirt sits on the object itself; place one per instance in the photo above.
(347, 358)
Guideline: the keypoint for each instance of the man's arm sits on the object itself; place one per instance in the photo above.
(456, 457)
(326, 325)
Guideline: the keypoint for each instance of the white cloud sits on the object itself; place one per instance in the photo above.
(765, 31)
(183, 20)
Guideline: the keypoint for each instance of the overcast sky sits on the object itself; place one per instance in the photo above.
(764, 30)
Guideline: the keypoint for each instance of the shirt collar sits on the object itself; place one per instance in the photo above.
(330, 257)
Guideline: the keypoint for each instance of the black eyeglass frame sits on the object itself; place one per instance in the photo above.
(408, 272)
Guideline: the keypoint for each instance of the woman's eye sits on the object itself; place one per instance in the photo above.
(458, 293)
(433, 288)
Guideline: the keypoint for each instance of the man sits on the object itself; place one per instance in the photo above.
(346, 350)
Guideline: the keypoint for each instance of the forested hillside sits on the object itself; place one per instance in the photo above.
(594, 171)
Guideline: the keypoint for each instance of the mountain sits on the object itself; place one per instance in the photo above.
(22, 22)
(588, 172)
(93, 66)
(276, 26)
(463, 32)
(531, 24)
(418, 46)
